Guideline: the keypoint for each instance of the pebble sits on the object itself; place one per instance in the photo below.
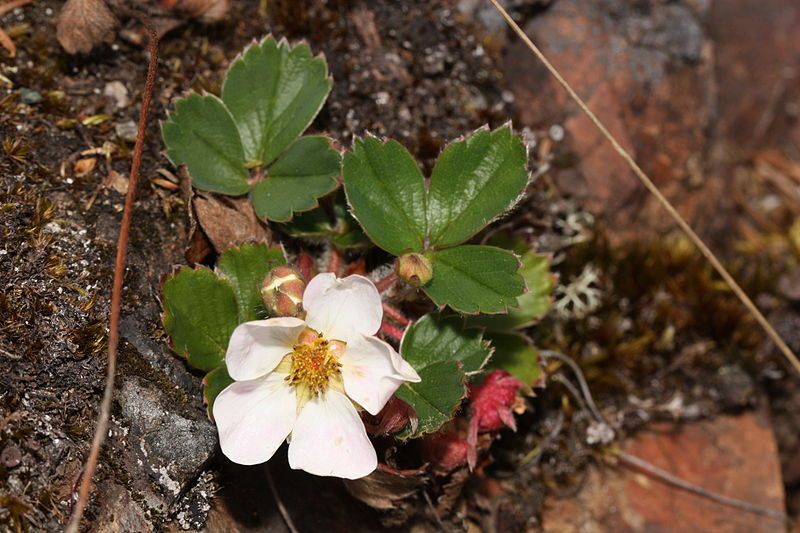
(118, 93)
(126, 130)
(11, 456)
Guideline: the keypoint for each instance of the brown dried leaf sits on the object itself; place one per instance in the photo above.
(84, 166)
(205, 10)
(389, 490)
(83, 24)
(228, 222)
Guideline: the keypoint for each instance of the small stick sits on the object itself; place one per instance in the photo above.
(385, 283)
(101, 429)
(334, 261)
(635, 462)
(393, 332)
(8, 43)
(287, 518)
(654, 190)
(395, 315)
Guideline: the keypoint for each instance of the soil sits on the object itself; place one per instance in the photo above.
(665, 340)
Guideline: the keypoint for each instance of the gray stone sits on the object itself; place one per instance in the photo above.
(171, 446)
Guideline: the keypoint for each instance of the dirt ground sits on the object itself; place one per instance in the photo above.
(664, 341)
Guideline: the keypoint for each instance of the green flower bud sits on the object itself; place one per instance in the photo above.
(282, 291)
(414, 269)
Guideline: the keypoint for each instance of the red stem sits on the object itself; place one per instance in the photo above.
(392, 331)
(334, 262)
(305, 264)
(395, 315)
(101, 429)
(384, 284)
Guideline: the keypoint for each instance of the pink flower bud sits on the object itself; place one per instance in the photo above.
(282, 292)
(414, 269)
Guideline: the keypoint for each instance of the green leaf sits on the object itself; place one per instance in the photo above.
(332, 223)
(306, 171)
(274, 91)
(386, 192)
(436, 337)
(473, 279)
(246, 266)
(199, 314)
(515, 354)
(475, 180)
(535, 303)
(213, 383)
(435, 399)
(201, 134)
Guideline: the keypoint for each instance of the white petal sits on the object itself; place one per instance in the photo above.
(257, 347)
(329, 439)
(254, 417)
(372, 371)
(342, 308)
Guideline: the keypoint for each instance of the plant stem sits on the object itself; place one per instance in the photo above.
(395, 314)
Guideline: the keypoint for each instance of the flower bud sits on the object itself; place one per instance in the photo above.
(414, 269)
(282, 291)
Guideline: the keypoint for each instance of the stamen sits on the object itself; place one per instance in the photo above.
(314, 363)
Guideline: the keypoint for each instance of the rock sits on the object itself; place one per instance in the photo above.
(646, 74)
(11, 456)
(735, 456)
(120, 514)
(126, 130)
(172, 447)
(118, 94)
(756, 49)
(29, 96)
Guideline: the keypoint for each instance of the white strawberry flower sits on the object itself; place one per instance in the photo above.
(304, 380)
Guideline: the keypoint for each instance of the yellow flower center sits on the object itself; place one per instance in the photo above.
(313, 365)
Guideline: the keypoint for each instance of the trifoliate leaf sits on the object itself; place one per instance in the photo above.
(473, 279)
(306, 171)
(201, 134)
(435, 399)
(200, 314)
(274, 91)
(515, 354)
(213, 383)
(246, 266)
(386, 192)
(535, 303)
(436, 337)
(474, 180)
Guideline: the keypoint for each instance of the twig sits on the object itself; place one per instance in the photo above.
(637, 462)
(101, 428)
(8, 43)
(385, 283)
(395, 315)
(334, 261)
(11, 6)
(687, 229)
(287, 518)
(587, 394)
(666, 477)
(393, 332)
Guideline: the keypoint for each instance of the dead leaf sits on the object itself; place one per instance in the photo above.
(116, 181)
(83, 24)
(228, 222)
(390, 490)
(205, 10)
(84, 166)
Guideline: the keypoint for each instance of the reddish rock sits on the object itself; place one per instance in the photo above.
(645, 71)
(757, 66)
(735, 456)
